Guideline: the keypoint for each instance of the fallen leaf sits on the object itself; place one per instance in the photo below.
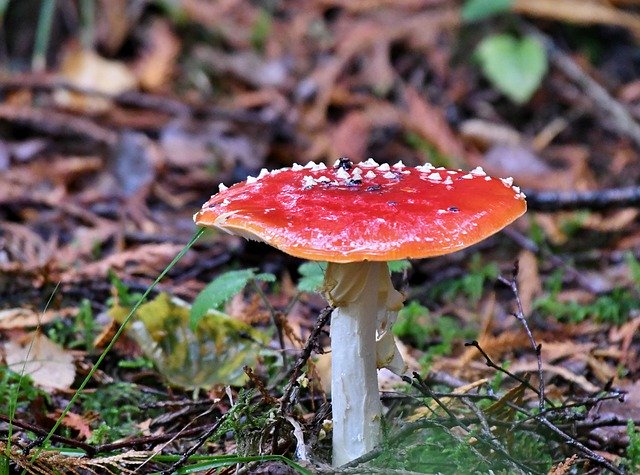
(155, 67)
(616, 410)
(85, 69)
(563, 467)
(579, 11)
(351, 137)
(79, 423)
(48, 364)
(429, 122)
(578, 380)
(14, 318)
(214, 352)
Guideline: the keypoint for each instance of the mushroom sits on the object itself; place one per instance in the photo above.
(357, 217)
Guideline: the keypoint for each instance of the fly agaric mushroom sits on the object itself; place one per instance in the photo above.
(357, 217)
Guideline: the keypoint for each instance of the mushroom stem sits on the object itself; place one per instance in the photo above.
(353, 289)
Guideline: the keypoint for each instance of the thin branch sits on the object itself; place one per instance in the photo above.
(594, 200)
(489, 362)
(305, 354)
(424, 388)
(513, 285)
(194, 448)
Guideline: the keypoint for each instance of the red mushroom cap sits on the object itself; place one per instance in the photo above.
(367, 211)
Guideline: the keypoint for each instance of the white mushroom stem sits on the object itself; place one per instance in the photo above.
(359, 292)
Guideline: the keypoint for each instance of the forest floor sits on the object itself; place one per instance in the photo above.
(118, 120)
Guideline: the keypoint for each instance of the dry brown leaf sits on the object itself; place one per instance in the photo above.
(502, 409)
(485, 134)
(529, 283)
(553, 351)
(580, 12)
(603, 371)
(149, 259)
(78, 423)
(14, 318)
(114, 23)
(106, 334)
(351, 137)
(155, 67)
(626, 334)
(563, 467)
(22, 244)
(85, 69)
(430, 123)
(611, 222)
(495, 347)
(48, 364)
(532, 367)
(427, 411)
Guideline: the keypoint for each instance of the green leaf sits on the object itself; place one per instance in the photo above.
(265, 277)
(311, 276)
(474, 10)
(399, 266)
(634, 267)
(514, 67)
(223, 287)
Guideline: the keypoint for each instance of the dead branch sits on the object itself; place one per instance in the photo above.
(513, 285)
(593, 200)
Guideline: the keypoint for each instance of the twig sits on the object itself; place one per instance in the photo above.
(489, 362)
(424, 388)
(192, 450)
(39, 431)
(58, 124)
(513, 285)
(594, 200)
(587, 452)
(622, 119)
(528, 244)
(305, 354)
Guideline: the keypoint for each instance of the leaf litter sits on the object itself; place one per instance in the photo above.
(105, 157)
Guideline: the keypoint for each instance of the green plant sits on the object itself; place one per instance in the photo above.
(221, 289)
(75, 333)
(514, 66)
(437, 449)
(475, 10)
(261, 30)
(427, 149)
(469, 285)
(119, 406)
(632, 459)
(312, 273)
(249, 422)
(311, 276)
(415, 324)
(613, 307)
(18, 391)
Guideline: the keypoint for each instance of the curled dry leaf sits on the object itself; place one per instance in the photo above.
(48, 364)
